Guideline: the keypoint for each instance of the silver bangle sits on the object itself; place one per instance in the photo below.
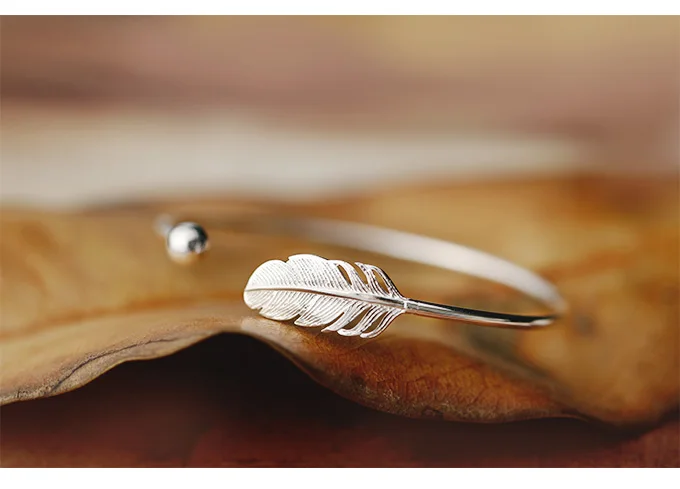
(360, 300)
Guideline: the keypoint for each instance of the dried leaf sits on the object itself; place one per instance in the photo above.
(190, 410)
(85, 292)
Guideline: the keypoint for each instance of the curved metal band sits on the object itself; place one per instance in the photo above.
(423, 250)
(442, 254)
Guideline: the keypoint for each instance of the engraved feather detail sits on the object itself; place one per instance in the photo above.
(320, 292)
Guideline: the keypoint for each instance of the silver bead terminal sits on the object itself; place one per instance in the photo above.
(185, 242)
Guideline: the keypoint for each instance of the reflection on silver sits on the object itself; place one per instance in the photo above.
(316, 292)
(319, 292)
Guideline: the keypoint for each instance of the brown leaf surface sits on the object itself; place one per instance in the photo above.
(197, 409)
(85, 292)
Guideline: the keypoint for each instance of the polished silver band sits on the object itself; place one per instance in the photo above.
(331, 293)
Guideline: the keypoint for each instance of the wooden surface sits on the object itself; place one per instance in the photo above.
(233, 402)
(83, 293)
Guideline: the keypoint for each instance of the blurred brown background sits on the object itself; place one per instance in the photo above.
(106, 108)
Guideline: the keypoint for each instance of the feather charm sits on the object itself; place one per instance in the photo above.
(320, 292)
